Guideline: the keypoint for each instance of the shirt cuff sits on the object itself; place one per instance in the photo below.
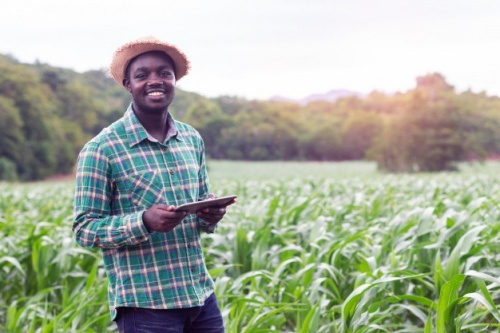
(138, 230)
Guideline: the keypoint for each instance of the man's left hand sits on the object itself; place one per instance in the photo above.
(213, 215)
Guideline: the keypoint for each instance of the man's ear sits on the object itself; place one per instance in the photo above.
(126, 84)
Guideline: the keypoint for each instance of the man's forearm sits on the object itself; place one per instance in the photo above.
(92, 230)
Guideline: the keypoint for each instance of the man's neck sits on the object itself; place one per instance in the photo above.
(155, 123)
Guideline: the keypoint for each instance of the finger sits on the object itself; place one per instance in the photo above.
(161, 206)
(174, 220)
(165, 207)
(213, 211)
(169, 216)
(218, 211)
(210, 220)
(229, 203)
(175, 215)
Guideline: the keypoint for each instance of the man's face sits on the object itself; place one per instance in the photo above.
(151, 81)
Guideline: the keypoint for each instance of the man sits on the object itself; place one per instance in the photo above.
(129, 179)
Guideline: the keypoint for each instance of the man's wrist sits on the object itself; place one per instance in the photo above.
(145, 224)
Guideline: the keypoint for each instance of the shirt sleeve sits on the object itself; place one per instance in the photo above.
(204, 188)
(202, 174)
(93, 224)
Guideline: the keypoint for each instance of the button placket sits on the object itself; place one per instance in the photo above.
(173, 173)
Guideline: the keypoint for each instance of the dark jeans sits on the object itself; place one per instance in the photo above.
(200, 319)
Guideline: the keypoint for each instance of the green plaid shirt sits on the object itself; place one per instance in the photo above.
(121, 173)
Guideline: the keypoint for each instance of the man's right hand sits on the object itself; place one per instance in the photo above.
(162, 218)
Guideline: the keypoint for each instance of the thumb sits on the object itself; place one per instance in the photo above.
(165, 207)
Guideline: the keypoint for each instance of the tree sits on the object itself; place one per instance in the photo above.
(47, 114)
(322, 144)
(357, 134)
(431, 133)
(11, 126)
(7, 170)
(77, 105)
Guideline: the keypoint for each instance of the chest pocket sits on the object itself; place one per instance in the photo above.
(146, 188)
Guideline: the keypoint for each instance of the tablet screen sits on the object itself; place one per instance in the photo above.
(193, 207)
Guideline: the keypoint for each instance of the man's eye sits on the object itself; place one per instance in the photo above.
(140, 76)
(165, 74)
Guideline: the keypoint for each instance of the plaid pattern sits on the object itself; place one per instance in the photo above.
(121, 174)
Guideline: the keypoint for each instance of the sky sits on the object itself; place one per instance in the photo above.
(263, 48)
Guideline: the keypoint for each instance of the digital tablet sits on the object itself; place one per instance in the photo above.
(193, 207)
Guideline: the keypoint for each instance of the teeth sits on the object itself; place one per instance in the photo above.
(155, 93)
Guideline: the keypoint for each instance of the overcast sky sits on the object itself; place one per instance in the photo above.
(262, 48)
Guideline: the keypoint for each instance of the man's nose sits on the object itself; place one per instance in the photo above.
(154, 79)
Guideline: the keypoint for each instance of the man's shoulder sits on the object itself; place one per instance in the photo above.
(108, 135)
(186, 130)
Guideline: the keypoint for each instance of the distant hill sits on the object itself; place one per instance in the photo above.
(331, 96)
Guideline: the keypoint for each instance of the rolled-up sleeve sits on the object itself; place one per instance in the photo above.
(93, 224)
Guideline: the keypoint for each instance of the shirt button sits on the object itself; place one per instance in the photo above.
(171, 172)
(178, 196)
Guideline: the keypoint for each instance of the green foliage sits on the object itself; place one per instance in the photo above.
(7, 169)
(48, 113)
(434, 130)
(28, 106)
(358, 133)
(429, 128)
(11, 126)
(354, 253)
(47, 283)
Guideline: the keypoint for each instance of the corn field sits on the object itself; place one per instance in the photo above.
(411, 253)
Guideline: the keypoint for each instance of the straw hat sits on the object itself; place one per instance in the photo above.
(125, 53)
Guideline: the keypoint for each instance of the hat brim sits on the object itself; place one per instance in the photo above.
(129, 51)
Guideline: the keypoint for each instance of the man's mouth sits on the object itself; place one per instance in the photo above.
(155, 93)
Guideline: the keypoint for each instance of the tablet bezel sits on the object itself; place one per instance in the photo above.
(193, 207)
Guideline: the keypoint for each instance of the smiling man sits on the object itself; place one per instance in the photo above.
(129, 179)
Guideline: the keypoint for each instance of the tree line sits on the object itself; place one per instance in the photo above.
(47, 114)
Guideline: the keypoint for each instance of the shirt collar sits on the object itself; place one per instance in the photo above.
(137, 133)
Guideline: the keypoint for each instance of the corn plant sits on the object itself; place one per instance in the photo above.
(408, 253)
